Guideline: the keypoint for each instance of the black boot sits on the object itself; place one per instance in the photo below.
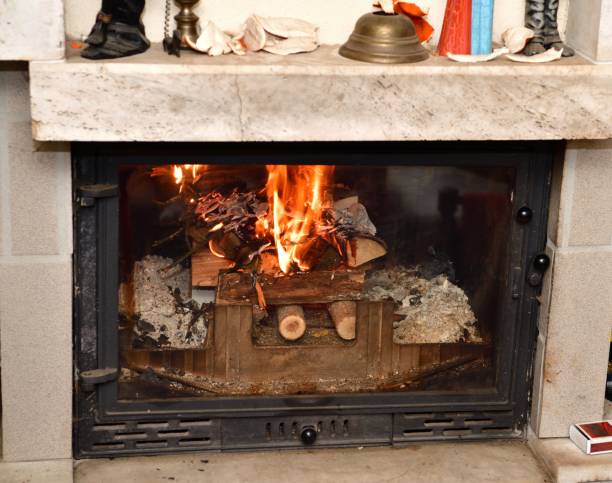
(118, 31)
(535, 20)
(551, 30)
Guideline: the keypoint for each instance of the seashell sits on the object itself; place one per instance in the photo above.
(212, 41)
(516, 38)
(293, 45)
(478, 58)
(236, 43)
(287, 27)
(548, 56)
(254, 34)
(272, 40)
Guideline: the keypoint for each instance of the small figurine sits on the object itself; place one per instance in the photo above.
(541, 17)
(118, 31)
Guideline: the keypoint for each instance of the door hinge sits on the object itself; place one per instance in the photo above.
(89, 193)
(95, 377)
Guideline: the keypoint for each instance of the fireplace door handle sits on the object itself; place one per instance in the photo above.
(88, 194)
(538, 268)
(95, 377)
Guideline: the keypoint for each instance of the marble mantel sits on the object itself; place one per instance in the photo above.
(316, 97)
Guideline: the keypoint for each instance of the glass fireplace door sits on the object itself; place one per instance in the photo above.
(236, 279)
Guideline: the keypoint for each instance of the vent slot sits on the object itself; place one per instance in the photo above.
(130, 435)
(194, 442)
(152, 425)
(438, 422)
(477, 422)
(173, 433)
(109, 427)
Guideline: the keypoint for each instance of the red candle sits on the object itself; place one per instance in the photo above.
(455, 37)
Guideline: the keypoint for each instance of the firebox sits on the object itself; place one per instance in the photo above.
(276, 295)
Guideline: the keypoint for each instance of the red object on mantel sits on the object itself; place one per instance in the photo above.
(593, 438)
(456, 34)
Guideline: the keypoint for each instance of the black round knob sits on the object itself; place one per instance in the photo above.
(309, 436)
(524, 215)
(541, 262)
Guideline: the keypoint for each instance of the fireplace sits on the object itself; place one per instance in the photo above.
(275, 295)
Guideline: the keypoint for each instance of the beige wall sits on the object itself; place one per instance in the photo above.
(35, 282)
(335, 17)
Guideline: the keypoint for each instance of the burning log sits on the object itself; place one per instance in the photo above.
(345, 202)
(291, 321)
(225, 245)
(344, 316)
(363, 250)
(238, 288)
(329, 260)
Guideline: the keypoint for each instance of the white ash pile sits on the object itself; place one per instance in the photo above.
(432, 311)
(157, 300)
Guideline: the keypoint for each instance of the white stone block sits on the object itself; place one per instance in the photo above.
(31, 29)
(573, 377)
(36, 333)
(589, 28)
(316, 97)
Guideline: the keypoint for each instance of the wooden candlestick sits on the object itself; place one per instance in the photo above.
(187, 21)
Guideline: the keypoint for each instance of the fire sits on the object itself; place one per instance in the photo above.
(296, 196)
(178, 174)
(187, 173)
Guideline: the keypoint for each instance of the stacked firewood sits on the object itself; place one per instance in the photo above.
(337, 251)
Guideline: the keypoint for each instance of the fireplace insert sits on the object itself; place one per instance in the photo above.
(276, 295)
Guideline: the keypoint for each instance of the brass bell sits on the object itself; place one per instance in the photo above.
(384, 39)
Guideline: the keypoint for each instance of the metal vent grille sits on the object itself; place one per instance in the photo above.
(286, 432)
(453, 425)
(151, 437)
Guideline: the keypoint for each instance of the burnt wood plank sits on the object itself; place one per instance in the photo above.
(238, 288)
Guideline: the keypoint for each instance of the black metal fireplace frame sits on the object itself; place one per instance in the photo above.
(105, 426)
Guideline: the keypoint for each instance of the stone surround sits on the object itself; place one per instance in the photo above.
(246, 100)
(576, 313)
(35, 282)
(316, 97)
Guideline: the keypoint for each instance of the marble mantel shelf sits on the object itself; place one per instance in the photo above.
(316, 97)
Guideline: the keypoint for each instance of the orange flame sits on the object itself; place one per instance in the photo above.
(178, 174)
(296, 196)
(187, 173)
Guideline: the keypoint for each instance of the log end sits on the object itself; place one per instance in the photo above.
(291, 322)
